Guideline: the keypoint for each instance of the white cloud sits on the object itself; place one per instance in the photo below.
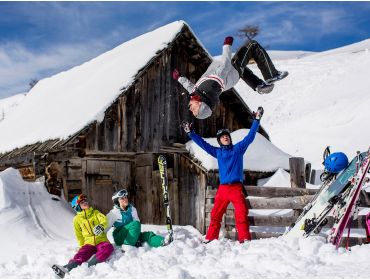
(18, 64)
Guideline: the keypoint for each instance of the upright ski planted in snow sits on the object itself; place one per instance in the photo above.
(162, 163)
(346, 206)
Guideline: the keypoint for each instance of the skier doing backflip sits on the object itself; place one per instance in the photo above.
(230, 163)
(223, 74)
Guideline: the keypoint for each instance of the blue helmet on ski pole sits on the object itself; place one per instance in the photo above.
(336, 162)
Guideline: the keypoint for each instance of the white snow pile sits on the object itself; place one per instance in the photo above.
(282, 55)
(323, 102)
(7, 105)
(29, 216)
(281, 178)
(261, 155)
(36, 232)
(68, 101)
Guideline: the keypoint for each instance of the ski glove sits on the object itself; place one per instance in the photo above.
(258, 115)
(229, 40)
(176, 74)
(98, 230)
(186, 126)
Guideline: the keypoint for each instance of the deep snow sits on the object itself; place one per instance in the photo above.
(37, 232)
(323, 102)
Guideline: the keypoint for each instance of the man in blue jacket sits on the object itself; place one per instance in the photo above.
(230, 165)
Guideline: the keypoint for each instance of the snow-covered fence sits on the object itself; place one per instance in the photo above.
(272, 210)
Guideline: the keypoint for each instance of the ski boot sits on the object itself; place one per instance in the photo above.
(61, 271)
(264, 88)
(279, 76)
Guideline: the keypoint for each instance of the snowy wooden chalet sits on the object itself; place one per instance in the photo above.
(100, 126)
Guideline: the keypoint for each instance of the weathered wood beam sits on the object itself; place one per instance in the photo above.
(295, 203)
(270, 192)
(297, 172)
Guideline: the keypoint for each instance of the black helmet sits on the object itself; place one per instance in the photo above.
(221, 132)
(117, 195)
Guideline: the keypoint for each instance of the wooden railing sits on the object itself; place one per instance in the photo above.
(272, 198)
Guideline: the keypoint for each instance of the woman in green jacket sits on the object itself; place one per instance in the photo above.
(127, 227)
(89, 225)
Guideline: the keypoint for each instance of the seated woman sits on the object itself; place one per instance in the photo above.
(89, 225)
(127, 227)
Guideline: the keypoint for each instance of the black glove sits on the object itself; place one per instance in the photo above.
(98, 230)
(258, 115)
(186, 126)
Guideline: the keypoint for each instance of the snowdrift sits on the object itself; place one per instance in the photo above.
(29, 216)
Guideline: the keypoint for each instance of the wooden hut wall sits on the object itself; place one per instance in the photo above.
(148, 114)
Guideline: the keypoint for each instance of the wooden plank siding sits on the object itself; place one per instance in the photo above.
(273, 198)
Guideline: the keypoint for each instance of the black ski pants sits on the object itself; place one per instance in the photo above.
(253, 50)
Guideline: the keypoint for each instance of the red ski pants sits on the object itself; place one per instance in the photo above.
(225, 194)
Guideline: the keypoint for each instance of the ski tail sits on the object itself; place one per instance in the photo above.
(162, 163)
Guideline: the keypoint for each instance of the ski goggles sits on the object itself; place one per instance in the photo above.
(121, 194)
(81, 198)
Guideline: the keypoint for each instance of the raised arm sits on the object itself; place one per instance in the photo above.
(243, 145)
(203, 144)
(189, 86)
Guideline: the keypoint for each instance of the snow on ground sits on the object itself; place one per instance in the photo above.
(281, 55)
(281, 178)
(7, 105)
(261, 155)
(324, 101)
(36, 232)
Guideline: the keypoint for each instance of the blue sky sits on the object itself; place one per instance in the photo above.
(39, 39)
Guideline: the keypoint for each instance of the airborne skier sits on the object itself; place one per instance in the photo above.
(223, 74)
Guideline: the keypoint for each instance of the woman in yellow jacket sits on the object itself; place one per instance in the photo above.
(89, 225)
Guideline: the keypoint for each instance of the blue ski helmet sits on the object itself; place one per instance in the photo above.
(336, 162)
(75, 203)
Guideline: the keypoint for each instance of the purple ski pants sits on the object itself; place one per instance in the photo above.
(103, 250)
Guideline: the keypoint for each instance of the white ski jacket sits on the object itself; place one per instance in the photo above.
(221, 70)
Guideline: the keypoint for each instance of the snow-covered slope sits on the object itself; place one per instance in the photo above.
(261, 155)
(324, 101)
(7, 105)
(36, 232)
(283, 55)
(61, 105)
(29, 216)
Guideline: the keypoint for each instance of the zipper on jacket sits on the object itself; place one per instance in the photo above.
(90, 227)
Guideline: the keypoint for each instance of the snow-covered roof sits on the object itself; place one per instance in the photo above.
(61, 105)
(261, 155)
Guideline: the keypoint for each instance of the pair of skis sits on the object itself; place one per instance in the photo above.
(339, 196)
(347, 204)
